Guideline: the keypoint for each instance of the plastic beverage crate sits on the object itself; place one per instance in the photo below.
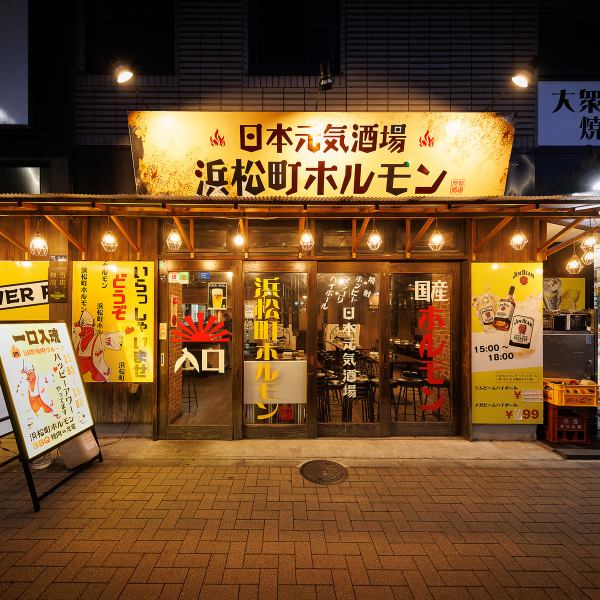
(567, 392)
(566, 425)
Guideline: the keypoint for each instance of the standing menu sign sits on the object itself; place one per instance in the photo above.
(507, 343)
(5, 426)
(43, 388)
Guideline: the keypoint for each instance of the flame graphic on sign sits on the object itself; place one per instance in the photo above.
(217, 140)
(426, 140)
(213, 331)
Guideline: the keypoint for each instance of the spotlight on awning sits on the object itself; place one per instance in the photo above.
(123, 73)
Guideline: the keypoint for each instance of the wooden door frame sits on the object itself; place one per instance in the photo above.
(277, 431)
(214, 432)
(428, 428)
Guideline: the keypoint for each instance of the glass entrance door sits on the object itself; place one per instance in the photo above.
(423, 348)
(198, 321)
(275, 340)
(348, 386)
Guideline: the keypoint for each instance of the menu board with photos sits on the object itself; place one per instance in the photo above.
(45, 393)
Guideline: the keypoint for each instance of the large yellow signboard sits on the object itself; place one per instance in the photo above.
(320, 154)
(113, 320)
(507, 343)
(24, 290)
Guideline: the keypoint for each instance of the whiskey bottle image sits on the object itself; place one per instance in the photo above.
(521, 331)
(504, 313)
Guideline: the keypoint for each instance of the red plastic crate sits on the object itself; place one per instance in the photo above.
(566, 425)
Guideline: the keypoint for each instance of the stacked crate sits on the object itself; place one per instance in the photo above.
(568, 405)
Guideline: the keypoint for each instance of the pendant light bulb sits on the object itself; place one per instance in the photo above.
(306, 240)
(518, 240)
(436, 241)
(109, 241)
(173, 240)
(38, 246)
(590, 241)
(374, 240)
(587, 258)
(238, 239)
(574, 265)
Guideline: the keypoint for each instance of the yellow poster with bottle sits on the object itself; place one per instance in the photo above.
(507, 343)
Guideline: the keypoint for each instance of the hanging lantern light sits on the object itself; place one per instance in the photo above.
(173, 240)
(306, 240)
(587, 258)
(109, 241)
(38, 246)
(518, 240)
(374, 240)
(590, 241)
(574, 265)
(436, 241)
(239, 239)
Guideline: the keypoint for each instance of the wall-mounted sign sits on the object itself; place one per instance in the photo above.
(564, 293)
(24, 290)
(295, 154)
(182, 277)
(217, 295)
(568, 113)
(47, 397)
(162, 331)
(57, 284)
(507, 343)
(113, 322)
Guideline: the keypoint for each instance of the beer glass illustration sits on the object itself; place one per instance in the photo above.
(552, 293)
(217, 297)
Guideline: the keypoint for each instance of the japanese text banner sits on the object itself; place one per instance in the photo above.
(507, 343)
(296, 154)
(113, 322)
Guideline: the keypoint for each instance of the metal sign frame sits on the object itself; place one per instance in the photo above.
(36, 497)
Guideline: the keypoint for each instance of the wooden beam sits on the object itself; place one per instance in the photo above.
(492, 233)
(473, 238)
(562, 232)
(564, 245)
(65, 232)
(407, 249)
(124, 232)
(138, 237)
(419, 235)
(84, 237)
(182, 233)
(353, 238)
(13, 241)
(360, 235)
(27, 234)
(192, 240)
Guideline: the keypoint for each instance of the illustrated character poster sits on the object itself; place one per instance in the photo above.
(507, 343)
(113, 322)
(46, 391)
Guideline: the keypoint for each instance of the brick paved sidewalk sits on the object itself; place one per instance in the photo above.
(127, 530)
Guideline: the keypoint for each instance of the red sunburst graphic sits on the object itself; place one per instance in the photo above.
(213, 331)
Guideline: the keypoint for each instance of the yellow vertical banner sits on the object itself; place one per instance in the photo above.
(113, 320)
(507, 343)
(24, 290)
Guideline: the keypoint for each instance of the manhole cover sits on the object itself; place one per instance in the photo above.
(323, 471)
